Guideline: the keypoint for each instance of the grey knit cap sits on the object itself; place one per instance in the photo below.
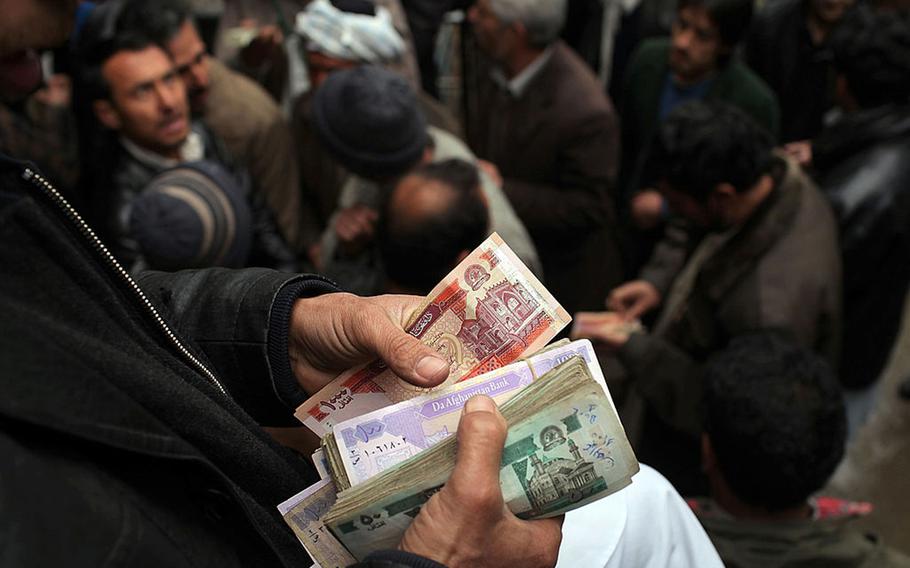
(194, 215)
(369, 120)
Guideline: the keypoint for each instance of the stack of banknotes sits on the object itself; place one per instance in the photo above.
(388, 445)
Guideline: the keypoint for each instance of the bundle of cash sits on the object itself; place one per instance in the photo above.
(604, 323)
(489, 311)
(363, 447)
(388, 445)
(565, 448)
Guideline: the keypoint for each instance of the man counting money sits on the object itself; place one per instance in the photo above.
(131, 411)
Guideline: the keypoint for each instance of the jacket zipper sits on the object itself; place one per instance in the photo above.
(51, 192)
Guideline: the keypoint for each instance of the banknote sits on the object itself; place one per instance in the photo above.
(372, 443)
(565, 448)
(574, 453)
(320, 463)
(489, 311)
(303, 512)
(598, 323)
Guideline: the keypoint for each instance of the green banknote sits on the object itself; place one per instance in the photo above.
(565, 448)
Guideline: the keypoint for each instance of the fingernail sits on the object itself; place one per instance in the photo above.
(479, 403)
(431, 368)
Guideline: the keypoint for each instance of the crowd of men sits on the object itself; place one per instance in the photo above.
(746, 197)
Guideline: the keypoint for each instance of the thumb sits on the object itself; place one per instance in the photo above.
(481, 434)
(406, 356)
(634, 311)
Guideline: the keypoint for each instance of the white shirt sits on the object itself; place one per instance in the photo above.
(518, 84)
(192, 150)
(646, 525)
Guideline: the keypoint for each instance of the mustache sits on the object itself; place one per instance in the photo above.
(169, 116)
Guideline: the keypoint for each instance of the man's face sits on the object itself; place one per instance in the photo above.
(829, 11)
(696, 46)
(493, 37)
(148, 101)
(688, 207)
(320, 66)
(192, 63)
(35, 23)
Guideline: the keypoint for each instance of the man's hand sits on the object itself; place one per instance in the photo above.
(633, 299)
(56, 93)
(800, 151)
(266, 47)
(467, 522)
(491, 170)
(314, 252)
(355, 227)
(609, 328)
(647, 209)
(335, 332)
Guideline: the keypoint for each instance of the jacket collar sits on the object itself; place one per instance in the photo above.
(538, 97)
(773, 219)
(518, 85)
(858, 131)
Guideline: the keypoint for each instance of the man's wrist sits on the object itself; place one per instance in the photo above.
(287, 389)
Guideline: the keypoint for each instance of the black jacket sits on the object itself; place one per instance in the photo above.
(800, 72)
(863, 166)
(118, 447)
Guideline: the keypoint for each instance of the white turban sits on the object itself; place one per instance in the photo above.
(352, 37)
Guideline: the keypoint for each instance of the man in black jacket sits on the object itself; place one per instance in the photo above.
(863, 166)
(788, 47)
(125, 443)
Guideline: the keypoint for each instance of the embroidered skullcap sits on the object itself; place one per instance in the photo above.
(350, 35)
(192, 216)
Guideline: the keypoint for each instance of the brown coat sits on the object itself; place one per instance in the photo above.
(556, 147)
(781, 271)
(255, 132)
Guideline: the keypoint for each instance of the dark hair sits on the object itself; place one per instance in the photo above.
(731, 17)
(419, 252)
(363, 7)
(102, 36)
(776, 419)
(872, 52)
(160, 20)
(704, 143)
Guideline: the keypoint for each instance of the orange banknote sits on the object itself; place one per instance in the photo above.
(489, 311)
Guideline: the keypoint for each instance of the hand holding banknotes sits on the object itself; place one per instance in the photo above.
(334, 332)
(633, 299)
(467, 522)
(610, 329)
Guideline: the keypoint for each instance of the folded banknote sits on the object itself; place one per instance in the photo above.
(303, 513)
(489, 311)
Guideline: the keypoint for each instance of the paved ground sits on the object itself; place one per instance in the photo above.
(877, 465)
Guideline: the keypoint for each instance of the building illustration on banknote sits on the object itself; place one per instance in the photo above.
(499, 316)
(562, 477)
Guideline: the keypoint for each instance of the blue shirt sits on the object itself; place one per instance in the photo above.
(673, 95)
